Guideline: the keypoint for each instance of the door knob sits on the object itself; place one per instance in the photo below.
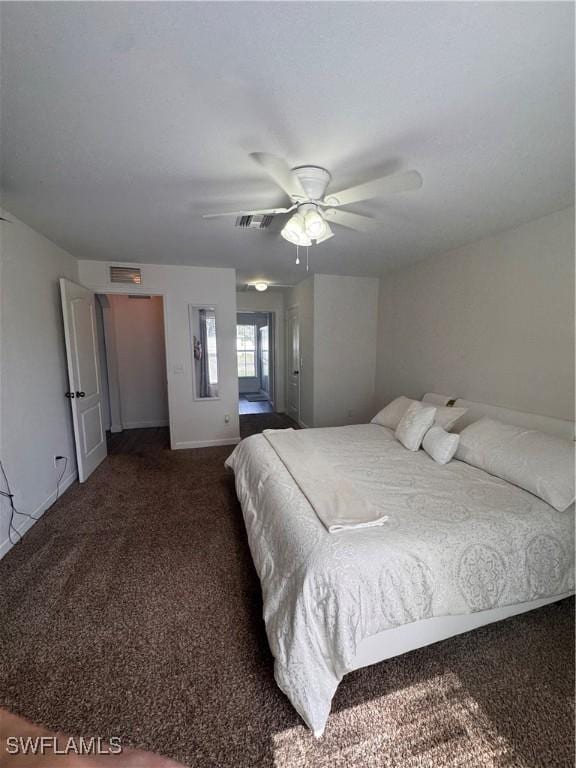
(296, 373)
(80, 394)
(69, 394)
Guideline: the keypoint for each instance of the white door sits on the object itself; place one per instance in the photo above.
(293, 370)
(78, 308)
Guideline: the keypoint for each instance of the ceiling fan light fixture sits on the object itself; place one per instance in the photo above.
(313, 209)
(261, 286)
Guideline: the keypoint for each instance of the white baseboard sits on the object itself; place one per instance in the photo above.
(27, 522)
(116, 428)
(143, 424)
(206, 443)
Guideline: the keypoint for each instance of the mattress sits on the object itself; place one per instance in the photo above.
(458, 540)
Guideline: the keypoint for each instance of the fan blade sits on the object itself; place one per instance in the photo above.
(262, 212)
(280, 171)
(396, 182)
(351, 220)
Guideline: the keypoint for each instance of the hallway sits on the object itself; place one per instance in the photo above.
(247, 406)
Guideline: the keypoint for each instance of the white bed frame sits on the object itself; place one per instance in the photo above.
(394, 642)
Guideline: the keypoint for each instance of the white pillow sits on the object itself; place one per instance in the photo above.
(446, 417)
(391, 415)
(440, 445)
(539, 463)
(414, 424)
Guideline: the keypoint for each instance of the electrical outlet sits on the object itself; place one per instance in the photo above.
(227, 419)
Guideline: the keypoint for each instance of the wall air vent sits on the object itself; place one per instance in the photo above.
(130, 275)
(259, 221)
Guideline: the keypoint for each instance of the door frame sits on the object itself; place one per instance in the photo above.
(127, 290)
(271, 359)
(288, 345)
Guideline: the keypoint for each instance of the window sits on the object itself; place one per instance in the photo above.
(246, 350)
(211, 348)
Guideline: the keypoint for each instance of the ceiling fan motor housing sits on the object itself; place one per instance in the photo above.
(314, 179)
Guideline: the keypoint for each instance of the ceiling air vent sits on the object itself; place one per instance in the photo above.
(130, 275)
(259, 221)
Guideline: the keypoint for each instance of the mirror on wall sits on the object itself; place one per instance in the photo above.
(204, 352)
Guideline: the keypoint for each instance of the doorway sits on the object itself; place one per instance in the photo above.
(255, 352)
(131, 340)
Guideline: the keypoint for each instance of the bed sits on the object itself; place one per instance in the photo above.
(460, 549)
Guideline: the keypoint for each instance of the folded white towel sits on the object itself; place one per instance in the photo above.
(336, 501)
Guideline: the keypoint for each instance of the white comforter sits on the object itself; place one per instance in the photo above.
(457, 540)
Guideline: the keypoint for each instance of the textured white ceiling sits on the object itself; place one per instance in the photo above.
(124, 122)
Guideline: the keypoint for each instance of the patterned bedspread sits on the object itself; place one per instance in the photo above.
(457, 540)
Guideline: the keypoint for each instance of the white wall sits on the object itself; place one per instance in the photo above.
(272, 300)
(141, 359)
(491, 322)
(345, 328)
(35, 417)
(193, 423)
(302, 297)
(338, 326)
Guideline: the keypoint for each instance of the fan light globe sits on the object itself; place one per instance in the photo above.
(315, 224)
(295, 226)
(295, 232)
(327, 234)
(261, 286)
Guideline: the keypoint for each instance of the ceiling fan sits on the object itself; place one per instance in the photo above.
(306, 187)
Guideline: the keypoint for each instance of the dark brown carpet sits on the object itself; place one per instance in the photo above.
(254, 423)
(132, 609)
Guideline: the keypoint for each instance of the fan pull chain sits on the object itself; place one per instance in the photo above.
(307, 259)
(297, 257)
